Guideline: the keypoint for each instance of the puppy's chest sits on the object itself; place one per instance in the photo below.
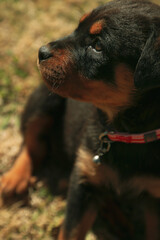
(112, 177)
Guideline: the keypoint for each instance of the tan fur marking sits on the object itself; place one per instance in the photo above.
(149, 184)
(85, 224)
(106, 96)
(59, 63)
(104, 175)
(84, 17)
(18, 178)
(97, 27)
(120, 96)
(95, 174)
(80, 231)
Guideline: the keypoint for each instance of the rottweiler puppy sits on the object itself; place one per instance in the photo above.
(104, 116)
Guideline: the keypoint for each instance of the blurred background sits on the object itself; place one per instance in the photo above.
(26, 25)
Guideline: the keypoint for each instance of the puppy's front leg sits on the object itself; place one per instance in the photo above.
(81, 210)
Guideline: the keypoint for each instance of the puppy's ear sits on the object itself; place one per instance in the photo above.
(147, 73)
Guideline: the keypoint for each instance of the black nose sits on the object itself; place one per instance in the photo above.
(44, 53)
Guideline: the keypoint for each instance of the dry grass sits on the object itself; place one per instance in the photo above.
(25, 25)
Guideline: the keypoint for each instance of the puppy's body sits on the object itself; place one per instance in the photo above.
(111, 63)
(123, 189)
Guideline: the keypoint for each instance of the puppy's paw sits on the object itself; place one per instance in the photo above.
(15, 182)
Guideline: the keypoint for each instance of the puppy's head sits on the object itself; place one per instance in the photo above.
(114, 50)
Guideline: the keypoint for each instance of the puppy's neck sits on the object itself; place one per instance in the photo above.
(109, 111)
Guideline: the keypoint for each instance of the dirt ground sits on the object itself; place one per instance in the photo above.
(25, 25)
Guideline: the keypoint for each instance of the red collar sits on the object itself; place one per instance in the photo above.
(109, 137)
(145, 137)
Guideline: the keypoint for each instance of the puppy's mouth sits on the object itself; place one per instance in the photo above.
(54, 78)
(54, 67)
(61, 77)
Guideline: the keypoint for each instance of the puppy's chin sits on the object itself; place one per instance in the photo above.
(62, 84)
(53, 78)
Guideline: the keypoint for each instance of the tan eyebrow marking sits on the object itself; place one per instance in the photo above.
(97, 27)
(84, 17)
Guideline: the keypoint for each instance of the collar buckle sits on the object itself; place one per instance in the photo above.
(105, 145)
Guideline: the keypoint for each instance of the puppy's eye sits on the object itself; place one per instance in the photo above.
(98, 47)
